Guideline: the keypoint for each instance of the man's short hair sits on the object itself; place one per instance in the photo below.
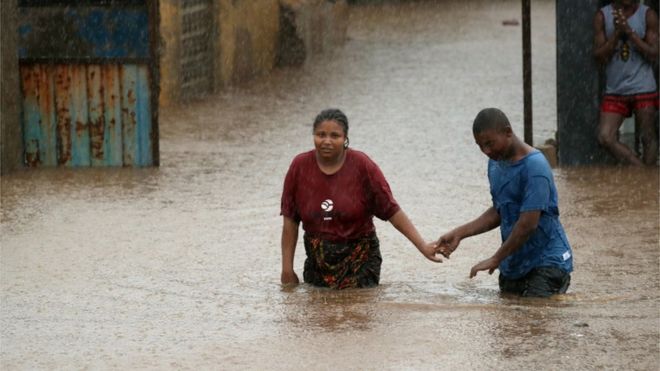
(490, 119)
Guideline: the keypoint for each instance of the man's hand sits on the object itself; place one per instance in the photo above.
(489, 264)
(447, 243)
(289, 278)
(430, 251)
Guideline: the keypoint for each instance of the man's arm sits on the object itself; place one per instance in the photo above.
(449, 241)
(649, 45)
(522, 230)
(289, 240)
(603, 47)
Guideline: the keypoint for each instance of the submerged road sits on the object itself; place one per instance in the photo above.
(178, 267)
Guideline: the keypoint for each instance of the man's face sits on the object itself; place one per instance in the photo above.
(496, 144)
(624, 3)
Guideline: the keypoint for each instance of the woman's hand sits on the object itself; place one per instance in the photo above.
(429, 250)
(289, 278)
(289, 238)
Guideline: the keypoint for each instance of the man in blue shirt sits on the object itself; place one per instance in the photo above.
(535, 258)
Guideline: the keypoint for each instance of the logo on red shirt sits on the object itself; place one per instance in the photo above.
(327, 206)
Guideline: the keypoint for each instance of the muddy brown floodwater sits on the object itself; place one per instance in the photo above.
(178, 267)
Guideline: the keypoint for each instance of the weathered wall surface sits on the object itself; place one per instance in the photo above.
(250, 38)
(318, 25)
(11, 142)
(577, 84)
(170, 51)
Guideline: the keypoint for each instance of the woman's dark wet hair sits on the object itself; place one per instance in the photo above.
(489, 119)
(333, 114)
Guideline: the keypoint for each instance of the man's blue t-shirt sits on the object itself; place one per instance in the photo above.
(528, 185)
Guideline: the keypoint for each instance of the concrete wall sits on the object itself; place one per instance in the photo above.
(251, 38)
(11, 139)
(318, 25)
(578, 88)
(244, 42)
(247, 44)
(170, 51)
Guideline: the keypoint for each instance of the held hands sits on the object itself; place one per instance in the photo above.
(447, 243)
(430, 251)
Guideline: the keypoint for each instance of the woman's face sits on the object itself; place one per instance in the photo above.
(329, 139)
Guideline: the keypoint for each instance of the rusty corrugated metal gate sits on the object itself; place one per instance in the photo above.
(197, 30)
(89, 82)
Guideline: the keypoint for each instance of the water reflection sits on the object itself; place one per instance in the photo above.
(610, 190)
(323, 310)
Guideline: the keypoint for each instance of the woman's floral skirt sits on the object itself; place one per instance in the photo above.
(341, 265)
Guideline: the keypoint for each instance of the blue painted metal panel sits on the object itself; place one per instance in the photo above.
(31, 115)
(39, 115)
(112, 137)
(143, 138)
(82, 115)
(95, 117)
(63, 98)
(48, 117)
(128, 78)
(80, 142)
(86, 73)
(83, 33)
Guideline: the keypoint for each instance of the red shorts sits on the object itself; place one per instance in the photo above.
(625, 104)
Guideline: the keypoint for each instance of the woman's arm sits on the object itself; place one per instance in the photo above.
(289, 240)
(401, 222)
(649, 45)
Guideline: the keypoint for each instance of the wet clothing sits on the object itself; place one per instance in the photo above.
(337, 213)
(628, 72)
(625, 105)
(528, 185)
(539, 282)
(341, 265)
(341, 206)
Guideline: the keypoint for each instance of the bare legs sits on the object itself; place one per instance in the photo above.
(645, 119)
(608, 136)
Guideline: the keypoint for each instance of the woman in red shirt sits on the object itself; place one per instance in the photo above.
(336, 191)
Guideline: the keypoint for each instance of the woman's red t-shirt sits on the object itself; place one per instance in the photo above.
(340, 206)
